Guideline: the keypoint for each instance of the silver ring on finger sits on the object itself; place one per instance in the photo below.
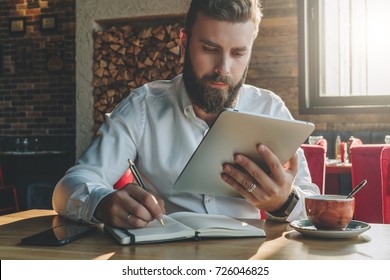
(128, 218)
(252, 187)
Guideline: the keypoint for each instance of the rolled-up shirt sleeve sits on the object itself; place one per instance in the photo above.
(78, 201)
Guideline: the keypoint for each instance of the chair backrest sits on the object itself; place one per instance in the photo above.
(315, 157)
(12, 188)
(385, 172)
(126, 178)
(366, 164)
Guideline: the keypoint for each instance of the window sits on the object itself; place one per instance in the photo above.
(344, 52)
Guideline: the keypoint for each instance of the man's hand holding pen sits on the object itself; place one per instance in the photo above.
(141, 183)
(131, 206)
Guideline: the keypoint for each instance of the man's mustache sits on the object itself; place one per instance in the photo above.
(219, 79)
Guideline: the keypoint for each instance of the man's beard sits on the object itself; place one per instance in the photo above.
(209, 99)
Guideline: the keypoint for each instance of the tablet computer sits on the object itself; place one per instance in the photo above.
(238, 132)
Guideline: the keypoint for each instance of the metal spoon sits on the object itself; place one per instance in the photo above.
(358, 187)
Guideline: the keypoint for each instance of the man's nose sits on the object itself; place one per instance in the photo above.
(223, 66)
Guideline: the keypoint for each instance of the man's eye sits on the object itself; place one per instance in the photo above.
(238, 54)
(209, 49)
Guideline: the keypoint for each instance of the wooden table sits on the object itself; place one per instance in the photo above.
(332, 179)
(282, 243)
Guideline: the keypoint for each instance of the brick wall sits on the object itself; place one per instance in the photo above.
(37, 78)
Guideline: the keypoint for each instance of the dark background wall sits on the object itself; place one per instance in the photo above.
(37, 82)
(37, 91)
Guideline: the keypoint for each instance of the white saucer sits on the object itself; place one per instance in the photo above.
(353, 229)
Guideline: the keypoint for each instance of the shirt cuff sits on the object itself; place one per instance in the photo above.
(85, 202)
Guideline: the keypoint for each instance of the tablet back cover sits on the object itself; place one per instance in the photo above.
(237, 132)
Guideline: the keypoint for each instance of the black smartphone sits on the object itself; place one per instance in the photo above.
(59, 235)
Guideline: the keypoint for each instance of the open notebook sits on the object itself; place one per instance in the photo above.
(186, 225)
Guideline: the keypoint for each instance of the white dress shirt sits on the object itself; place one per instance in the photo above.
(157, 127)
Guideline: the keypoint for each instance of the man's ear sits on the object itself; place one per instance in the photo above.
(183, 40)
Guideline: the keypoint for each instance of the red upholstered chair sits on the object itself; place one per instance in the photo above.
(8, 189)
(366, 164)
(125, 179)
(316, 157)
(385, 172)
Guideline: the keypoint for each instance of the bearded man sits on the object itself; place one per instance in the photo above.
(160, 125)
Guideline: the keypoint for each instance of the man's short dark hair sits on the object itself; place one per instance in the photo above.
(224, 10)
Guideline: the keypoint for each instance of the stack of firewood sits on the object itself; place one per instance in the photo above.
(129, 56)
